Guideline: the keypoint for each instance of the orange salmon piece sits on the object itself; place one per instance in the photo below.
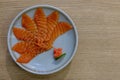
(20, 47)
(52, 20)
(41, 22)
(60, 29)
(22, 34)
(28, 23)
(24, 47)
(53, 16)
(26, 57)
(40, 19)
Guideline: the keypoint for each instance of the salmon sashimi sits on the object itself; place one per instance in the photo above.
(24, 47)
(20, 47)
(28, 23)
(60, 28)
(23, 34)
(40, 20)
(29, 54)
(27, 57)
(52, 20)
(38, 34)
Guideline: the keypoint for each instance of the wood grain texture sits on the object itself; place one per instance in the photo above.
(98, 54)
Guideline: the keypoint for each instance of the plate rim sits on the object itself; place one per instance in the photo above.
(48, 6)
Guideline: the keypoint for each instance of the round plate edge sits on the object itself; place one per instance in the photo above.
(32, 7)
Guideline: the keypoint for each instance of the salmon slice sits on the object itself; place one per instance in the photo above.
(60, 28)
(27, 57)
(53, 16)
(40, 19)
(28, 23)
(41, 22)
(20, 47)
(52, 20)
(22, 34)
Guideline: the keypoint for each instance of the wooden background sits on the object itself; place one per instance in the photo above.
(98, 54)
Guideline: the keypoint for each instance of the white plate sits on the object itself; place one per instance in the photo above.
(44, 63)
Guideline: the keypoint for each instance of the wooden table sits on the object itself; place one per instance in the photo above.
(98, 54)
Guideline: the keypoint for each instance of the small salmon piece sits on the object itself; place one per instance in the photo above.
(52, 21)
(60, 29)
(53, 16)
(26, 57)
(20, 47)
(41, 22)
(40, 18)
(22, 34)
(63, 27)
(28, 23)
(57, 52)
